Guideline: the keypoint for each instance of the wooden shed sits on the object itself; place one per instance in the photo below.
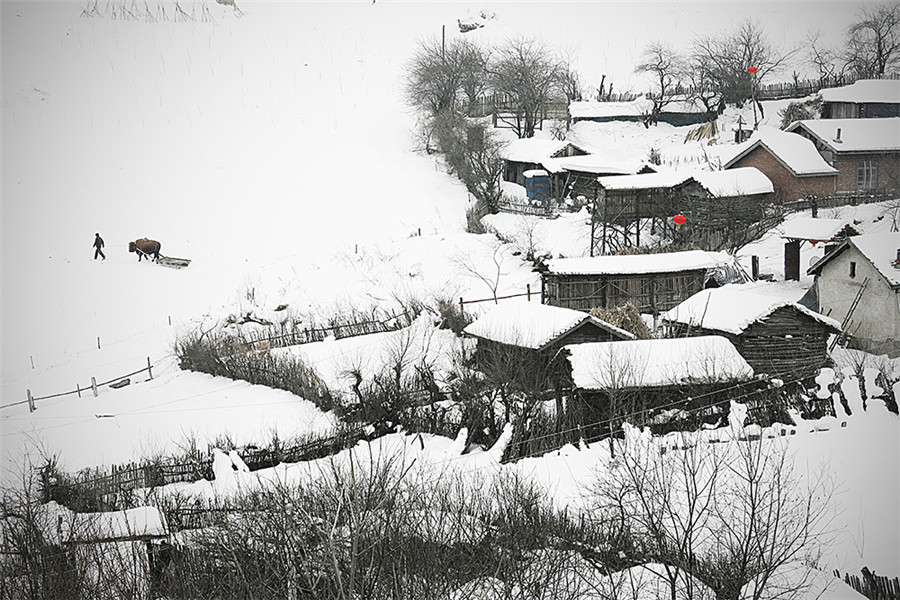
(577, 175)
(774, 335)
(653, 283)
(540, 328)
(518, 342)
(739, 207)
(529, 154)
(863, 99)
(798, 230)
(636, 380)
(624, 201)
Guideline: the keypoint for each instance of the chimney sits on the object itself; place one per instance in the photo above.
(837, 137)
(897, 262)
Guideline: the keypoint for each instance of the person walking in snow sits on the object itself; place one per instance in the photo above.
(98, 246)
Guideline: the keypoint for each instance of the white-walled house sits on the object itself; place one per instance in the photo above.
(869, 263)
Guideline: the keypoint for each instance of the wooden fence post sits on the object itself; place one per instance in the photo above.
(78, 389)
(94, 386)
(98, 342)
(528, 290)
(461, 306)
(30, 401)
(149, 368)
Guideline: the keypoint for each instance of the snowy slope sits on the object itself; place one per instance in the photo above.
(275, 151)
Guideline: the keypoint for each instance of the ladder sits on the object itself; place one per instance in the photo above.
(845, 325)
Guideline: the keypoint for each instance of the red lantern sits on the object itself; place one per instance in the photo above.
(751, 70)
(679, 220)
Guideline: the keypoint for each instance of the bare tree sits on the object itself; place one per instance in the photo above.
(569, 80)
(436, 74)
(473, 62)
(828, 62)
(872, 48)
(528, 74)
(764, 519)
(730, 515)
(472, 153)
(725, 61)
(665, 66)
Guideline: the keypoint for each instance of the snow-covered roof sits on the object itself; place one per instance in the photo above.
(644, 181)
(534, 150)
(589, 109)
(649, 363)
(593, 163)
(666, 262)
(532, 325)
(732, 309)
(857, 135)
(735, 182)
(865, 91)
(814, 230)
(880, 249)
(794, 151)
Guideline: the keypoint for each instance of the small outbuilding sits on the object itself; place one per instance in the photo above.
(736, 209)
(678, 112)
(518, 342)
(529, 154)
(774, 335)
(653, 283)
(858, 283)
(539, 328)
(609, 381)
(863, 99)
(798, 230)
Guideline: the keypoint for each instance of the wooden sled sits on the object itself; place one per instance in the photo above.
(172, 262)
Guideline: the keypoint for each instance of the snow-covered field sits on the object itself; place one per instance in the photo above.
(274, 150)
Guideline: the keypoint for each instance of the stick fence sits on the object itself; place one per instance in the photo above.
(30, 401)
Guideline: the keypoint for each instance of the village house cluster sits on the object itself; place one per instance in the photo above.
(715, 325)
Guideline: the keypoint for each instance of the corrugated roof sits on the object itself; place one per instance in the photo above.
(732, 309)
(865, 91)
(857, 135)
(531, 324)
(651, 363)
(665, 262)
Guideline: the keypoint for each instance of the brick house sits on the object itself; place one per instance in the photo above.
(790, 161)
(866, 152)
(864, 99)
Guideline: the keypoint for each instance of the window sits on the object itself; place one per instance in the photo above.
(866, 175)
(852, 269)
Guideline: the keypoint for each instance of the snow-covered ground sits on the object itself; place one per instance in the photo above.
(275, 151)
